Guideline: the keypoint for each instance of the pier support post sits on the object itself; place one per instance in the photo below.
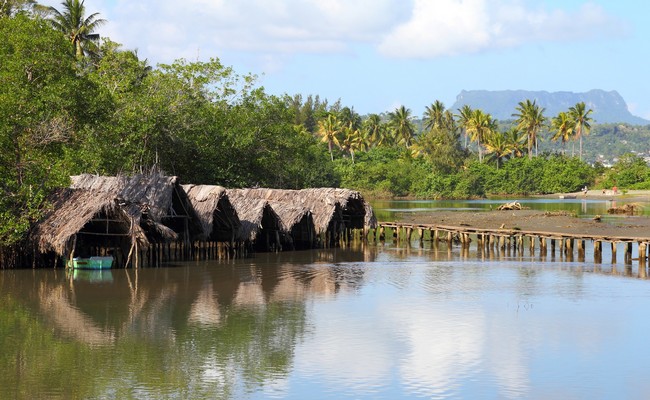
(569, 246)
(532, 245)
(628, 251)
(642, 251)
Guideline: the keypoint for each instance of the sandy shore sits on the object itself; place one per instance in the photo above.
(537, 221)
(628, 196)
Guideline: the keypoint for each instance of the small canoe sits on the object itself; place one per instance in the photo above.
(92, 262)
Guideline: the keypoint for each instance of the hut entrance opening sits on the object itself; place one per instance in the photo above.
(268, 237)
(303, 234)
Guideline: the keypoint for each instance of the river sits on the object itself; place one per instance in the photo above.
(379, 321)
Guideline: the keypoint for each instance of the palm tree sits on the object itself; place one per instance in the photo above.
(375, 130)
(516, 140)
(434, 115)
(563, 126)
(347, 116)
(353, 141)
(328, 128)
(401, 124)
(480, 126)
(464, 115)
(530, 119)
(581, 119)
(498, 145)
(77, 27)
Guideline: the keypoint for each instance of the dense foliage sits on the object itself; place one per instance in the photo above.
(71, 103)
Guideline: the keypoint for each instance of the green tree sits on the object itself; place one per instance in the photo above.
(43, 104)
(530, 119)
(349, 118)
(480, 126)
(498, 145)
(9, 8)
(434, 116)
(375, 131)
(402, 126)
(563, 127)
(77, 27)
(329, 129)
(581, 121)
(464, 116)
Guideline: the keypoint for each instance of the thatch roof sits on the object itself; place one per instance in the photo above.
(153, 194)
(323, 203)
(154, 191)
(215, 211)
(73, 209)
(251, 212)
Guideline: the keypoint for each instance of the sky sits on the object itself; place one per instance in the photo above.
(376, 55)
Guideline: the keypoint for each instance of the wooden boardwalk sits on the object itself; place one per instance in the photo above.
(488, 238)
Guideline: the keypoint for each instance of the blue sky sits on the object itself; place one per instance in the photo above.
(376, 55)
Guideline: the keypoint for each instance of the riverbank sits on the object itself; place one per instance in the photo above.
(607, 194)
(533, 220)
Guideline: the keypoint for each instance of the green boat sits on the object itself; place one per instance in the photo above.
(92, 262)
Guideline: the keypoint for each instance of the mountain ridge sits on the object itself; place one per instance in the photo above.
(607, 106)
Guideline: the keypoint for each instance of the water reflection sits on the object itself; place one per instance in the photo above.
(386, 321)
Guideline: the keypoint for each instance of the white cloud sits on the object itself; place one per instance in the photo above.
(453, 27)
(163, 30)
(262, 26)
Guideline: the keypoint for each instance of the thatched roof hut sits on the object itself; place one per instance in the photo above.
(354, 211)
(260, 224)
(327, 205)
(94, 216)
(160, 199)
(215, 211)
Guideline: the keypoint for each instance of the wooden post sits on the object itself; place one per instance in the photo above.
(642, 251)
(628, 250)
(569, 246)
(532, 245)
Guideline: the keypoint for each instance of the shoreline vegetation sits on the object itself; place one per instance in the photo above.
(79, 103)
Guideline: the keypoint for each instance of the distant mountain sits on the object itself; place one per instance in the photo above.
(609, 107)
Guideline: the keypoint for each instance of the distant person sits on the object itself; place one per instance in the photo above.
(615, 190)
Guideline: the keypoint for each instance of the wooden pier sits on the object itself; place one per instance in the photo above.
(512, 239)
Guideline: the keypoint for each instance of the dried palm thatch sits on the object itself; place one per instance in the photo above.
(215, 211)
(75, 211)
(159, 198)
(255, 215)
(325, 204)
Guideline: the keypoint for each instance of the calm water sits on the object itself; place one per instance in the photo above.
(365, 322)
